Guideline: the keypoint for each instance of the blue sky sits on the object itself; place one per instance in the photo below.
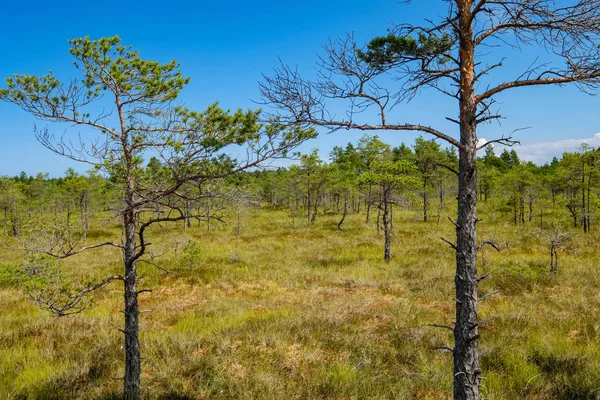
(226, 46)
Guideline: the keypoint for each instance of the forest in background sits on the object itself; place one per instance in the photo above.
(370, 177)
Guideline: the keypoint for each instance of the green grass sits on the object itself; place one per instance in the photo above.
(284, 312)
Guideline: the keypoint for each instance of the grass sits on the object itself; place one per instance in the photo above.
(285, 312)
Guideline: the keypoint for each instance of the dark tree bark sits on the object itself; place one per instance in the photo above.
(313, 217)
(392, 215)
(573, 210)
(530, 207)
(467, 373)
(384, 209)
(208, 215)
(339, 225)
(308, 200)
(187, 211)
(132, 345)
(16, 221)
(588, 207)
(369, 202)
(583, 202)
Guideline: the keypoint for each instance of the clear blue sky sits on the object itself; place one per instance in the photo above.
(225, 46)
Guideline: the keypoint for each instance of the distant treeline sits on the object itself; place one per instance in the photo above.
(371, 177)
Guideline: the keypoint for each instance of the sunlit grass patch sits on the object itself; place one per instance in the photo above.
(291, 311)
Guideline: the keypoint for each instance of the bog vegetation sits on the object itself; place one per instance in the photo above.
(322, 280)
(279, 286)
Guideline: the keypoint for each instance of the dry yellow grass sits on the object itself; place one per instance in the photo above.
(313, 313)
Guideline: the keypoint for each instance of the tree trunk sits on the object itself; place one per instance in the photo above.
(583, 202)
(467, 373)
(571, 206)
(425, 200)
(308, 199)
(588, 206)
(68, 222)
(386, 226)
(208, 216)
(313, 218)
(392, 215)
(132, 345)
(187, 222)
(16, 224)
(466, 359)
(369, 205)
(339, 225)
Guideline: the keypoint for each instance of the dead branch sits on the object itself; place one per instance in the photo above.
(452, 245)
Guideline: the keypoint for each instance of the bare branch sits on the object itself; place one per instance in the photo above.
(448, 167)
(452, 245)
(157, 266)
(451, 329)
(446, 348)
(488, 295)
(345, 76)
(58, 299)
(490, 243)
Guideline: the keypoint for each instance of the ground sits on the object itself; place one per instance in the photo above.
(288, 311)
